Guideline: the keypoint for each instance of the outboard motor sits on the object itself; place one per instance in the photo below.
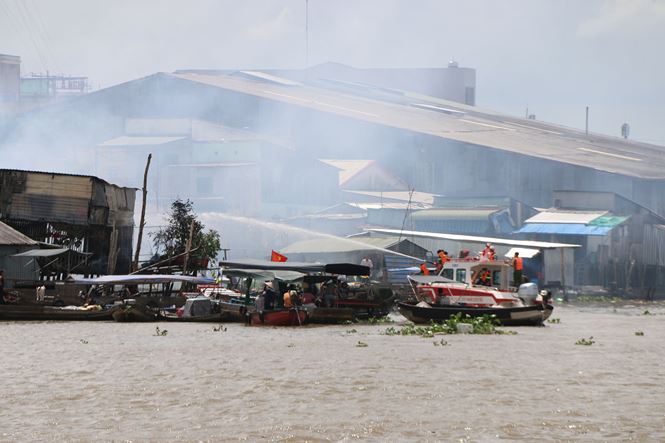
(528, 292)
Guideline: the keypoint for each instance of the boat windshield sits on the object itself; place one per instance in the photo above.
(455, 274)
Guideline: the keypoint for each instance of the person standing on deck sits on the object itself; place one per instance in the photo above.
(423, 269)
(517, 265)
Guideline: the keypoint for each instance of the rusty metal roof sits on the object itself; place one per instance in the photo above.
(10, 236)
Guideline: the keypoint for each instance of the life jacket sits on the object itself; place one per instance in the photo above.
(444, 258)
(518, 263)
(423, 268)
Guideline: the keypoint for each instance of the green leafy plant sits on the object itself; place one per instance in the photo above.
(487, 324)
(379, 320)
(646, 312)
(554, 320)
(585, 341)
(351, 331)
(160, 332)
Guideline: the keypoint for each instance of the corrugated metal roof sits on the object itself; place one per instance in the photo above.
(454, 214)
(10, 236)
(608, 220)
(132, 140)
(483, 128)
(348, 168)
(582, 217)
(403, 196)
(564, 229)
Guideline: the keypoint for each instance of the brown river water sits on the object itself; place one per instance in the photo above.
(87, 381)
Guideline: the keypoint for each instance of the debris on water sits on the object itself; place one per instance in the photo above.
(585, 341)
(221, 328)
(554, 320)
(160, 332)
(361, 344)
(85, 342)
(639, 333)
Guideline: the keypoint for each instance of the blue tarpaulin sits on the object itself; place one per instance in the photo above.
(564, 229)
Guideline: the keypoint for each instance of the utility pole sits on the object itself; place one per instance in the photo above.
(135, 264)
(306, 33)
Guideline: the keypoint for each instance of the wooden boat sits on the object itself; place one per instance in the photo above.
(280, 317)
(135, 313)
(508, 316)
(329, 315)
(42, 313)
(457, 289)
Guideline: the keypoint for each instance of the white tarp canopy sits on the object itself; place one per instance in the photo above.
(475, 239)
(524, 252)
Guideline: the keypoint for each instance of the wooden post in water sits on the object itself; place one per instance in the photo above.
(135, 263)
(188, 247)
(563, 276)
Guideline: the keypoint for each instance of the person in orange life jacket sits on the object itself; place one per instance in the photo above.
(443, 256)
(439, 267)
(483, 277)
(517, 265)
(486, 252)
(423, 269)
(492, 254)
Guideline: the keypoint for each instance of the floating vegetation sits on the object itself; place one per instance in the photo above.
(160, 332)
(379, 320)
(441, 342)
(351, 331)
(487, 324)
(85, 342)
(221, 328)
(585, 298)
(585, 341)
(639, 333)
(361, 344)
(646, 312)
(554, 320)
(291, 345)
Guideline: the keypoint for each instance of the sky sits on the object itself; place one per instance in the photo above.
(553, 57)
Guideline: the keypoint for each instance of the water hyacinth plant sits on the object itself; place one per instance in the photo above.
(585, 341)
(487, 324)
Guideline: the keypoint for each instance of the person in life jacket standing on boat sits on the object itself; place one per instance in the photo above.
(517, 265)
(485, 255)
(423, 269)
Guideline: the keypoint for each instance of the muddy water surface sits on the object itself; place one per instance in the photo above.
(121, 382)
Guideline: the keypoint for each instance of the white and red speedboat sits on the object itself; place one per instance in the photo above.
(476, 288)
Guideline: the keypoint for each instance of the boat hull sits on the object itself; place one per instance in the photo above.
(286, 317)
(131, 314)
(43, 313)
(517, 316)
(330, 315)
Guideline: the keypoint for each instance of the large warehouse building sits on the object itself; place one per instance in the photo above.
(271, 133)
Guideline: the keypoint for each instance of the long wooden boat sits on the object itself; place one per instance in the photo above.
(329, 315)
(135, 313)
(42, 313)
(508, 316)
(280, 317)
